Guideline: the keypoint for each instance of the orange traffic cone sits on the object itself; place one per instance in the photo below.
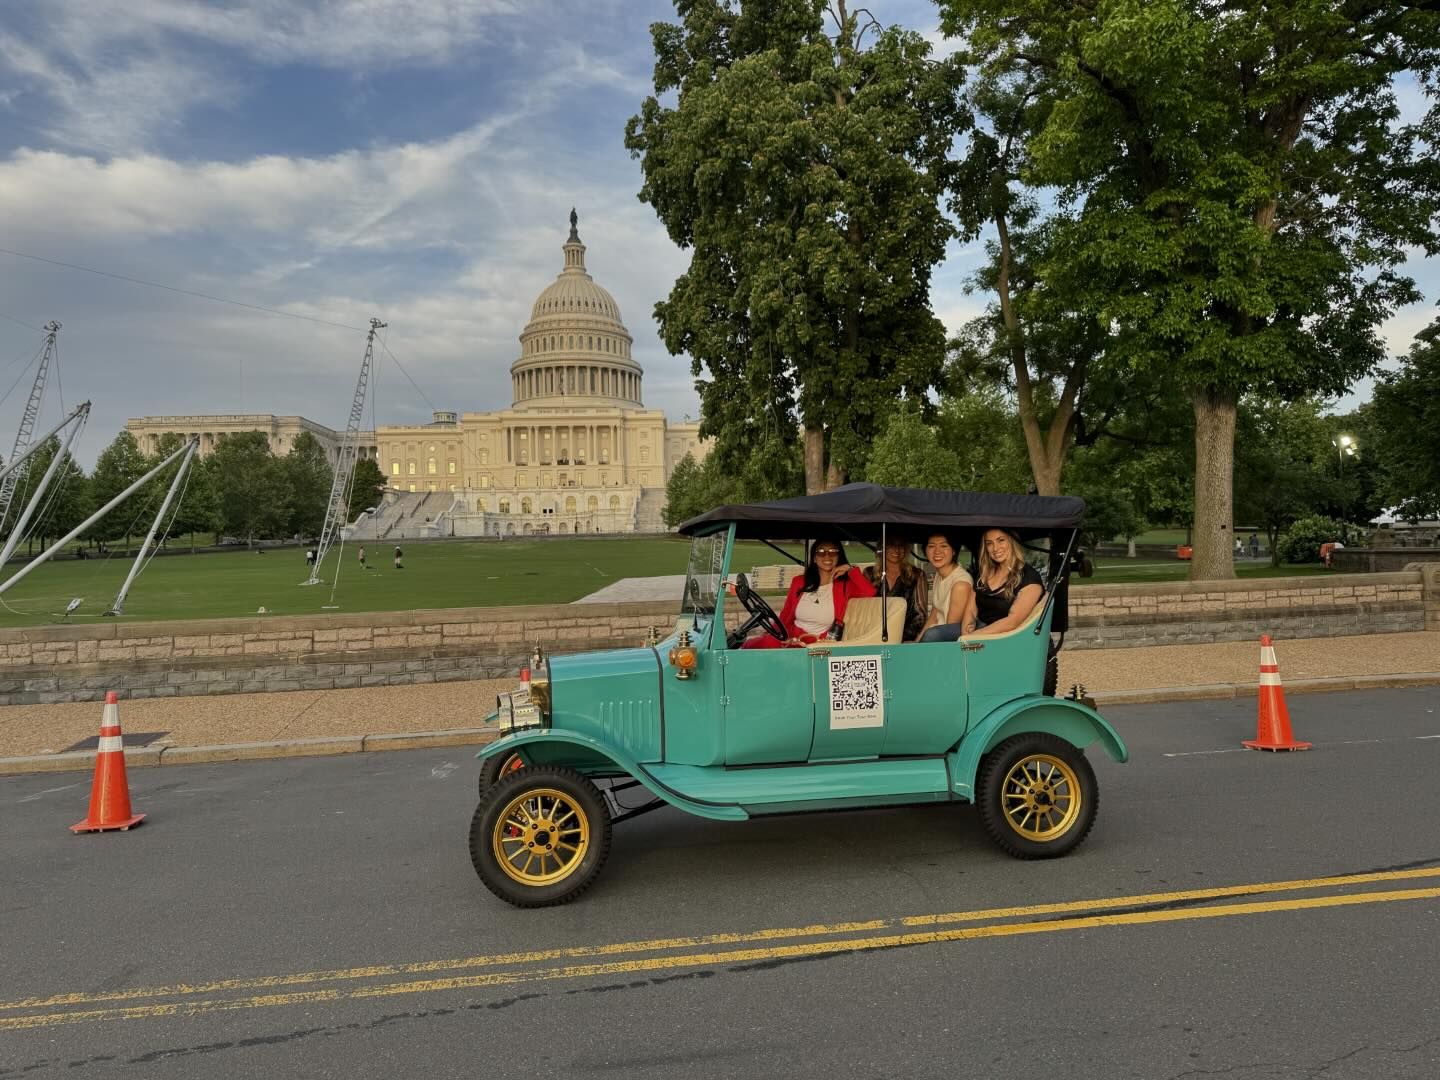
(1273, 731)
(110, 791)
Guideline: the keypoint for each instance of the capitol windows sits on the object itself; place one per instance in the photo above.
(394, 468)
(570, 504)
(525, 506)
(644, 451)
(481, 505)
(521, 480)
(430, 467)
(450, 467)
(410, 487)
(614, 502)
(484, 456)
(592, 503)
(504, 506)
(545, 480)
(485, 480)
(410, 469)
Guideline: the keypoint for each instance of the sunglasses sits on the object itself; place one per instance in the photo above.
(821, 553)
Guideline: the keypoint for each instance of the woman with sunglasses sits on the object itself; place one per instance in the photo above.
(815, 606)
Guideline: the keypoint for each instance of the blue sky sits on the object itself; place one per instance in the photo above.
(410, 159)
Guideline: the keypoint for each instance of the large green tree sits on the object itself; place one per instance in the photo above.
(1405, 431)
(908, 453)
(366, 486)
(119, 465)
(1283, 466)
(251, 485)
(308, 474)
(196, 508)
(65, 504)
(799, 150)
(1243, 190)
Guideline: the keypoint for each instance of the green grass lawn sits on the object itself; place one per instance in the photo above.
(436, 575)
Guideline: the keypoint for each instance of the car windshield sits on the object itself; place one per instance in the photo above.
(703, 575)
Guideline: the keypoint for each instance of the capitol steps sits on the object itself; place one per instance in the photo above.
(650, 511)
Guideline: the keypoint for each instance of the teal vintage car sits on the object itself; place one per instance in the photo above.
(694, 721)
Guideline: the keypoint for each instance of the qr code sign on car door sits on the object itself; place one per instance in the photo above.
(857, 692)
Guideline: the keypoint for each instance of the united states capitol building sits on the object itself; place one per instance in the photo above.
(576, 452)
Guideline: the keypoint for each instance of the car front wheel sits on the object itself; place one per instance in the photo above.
(497, 766)
(1037, 796)
(540, 836)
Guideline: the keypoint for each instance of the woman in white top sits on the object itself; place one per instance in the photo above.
(951, 593)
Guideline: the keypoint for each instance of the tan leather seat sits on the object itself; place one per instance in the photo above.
(862, 620)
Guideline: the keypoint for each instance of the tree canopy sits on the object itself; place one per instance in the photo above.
(1241, 190)
(799, 150)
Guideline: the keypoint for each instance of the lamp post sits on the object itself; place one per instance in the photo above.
(1345, 446)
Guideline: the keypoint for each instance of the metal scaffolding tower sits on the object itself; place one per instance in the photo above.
(27, 421)
(337, 510)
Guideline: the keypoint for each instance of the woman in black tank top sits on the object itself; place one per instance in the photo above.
(1007, 588)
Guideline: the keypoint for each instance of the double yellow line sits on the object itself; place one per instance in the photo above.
(705, 951)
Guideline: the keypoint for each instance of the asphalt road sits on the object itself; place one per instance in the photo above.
(319, 917)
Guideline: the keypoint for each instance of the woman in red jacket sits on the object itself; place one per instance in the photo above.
(815, 606)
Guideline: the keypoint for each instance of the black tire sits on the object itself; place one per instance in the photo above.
(493, 768)
(1052, 676)
(1037, 796)
(513, 817)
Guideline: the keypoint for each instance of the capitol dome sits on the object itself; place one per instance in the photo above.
(575, 350)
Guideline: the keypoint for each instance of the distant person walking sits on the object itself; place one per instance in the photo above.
(398, 556)
(1254, 545)
(362, 558)
(310, 559)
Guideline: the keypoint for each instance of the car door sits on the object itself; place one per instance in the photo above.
(929, 698)
(768, 706)
(851, 701)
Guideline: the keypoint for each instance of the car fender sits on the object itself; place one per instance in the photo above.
(604, 755)
(1072, 721)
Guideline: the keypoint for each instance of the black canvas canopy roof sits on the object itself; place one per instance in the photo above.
(861, 506)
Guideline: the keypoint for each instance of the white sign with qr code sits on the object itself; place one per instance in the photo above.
(857, 692)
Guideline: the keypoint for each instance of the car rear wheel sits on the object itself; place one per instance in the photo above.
(540, 836)
(1037, 796)
(497, 766)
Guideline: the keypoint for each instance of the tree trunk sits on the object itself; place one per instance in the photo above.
(1214, 542)
(814, 460)
(834, 477)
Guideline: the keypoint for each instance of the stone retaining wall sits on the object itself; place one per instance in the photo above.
(79, 663)
(1183, 612)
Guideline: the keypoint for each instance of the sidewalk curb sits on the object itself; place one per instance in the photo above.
(142, 756)
(1216, 691)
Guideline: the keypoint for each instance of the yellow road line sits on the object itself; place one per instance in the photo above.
(659, 963)
(307, 978)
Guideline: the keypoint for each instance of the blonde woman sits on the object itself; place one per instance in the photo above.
(1007, 589)
(903, 579)
(952, 593)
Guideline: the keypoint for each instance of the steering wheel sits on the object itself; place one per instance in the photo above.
(761, 614)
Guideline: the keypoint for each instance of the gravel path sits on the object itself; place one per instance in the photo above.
(203, 721)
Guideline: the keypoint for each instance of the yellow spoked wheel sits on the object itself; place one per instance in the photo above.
(1041, 796)
(1037, 795)
(541, 836)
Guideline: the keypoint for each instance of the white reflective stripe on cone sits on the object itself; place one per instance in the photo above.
(111, 716)
(1267, 654)
(110, 743)
(1269, 678)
